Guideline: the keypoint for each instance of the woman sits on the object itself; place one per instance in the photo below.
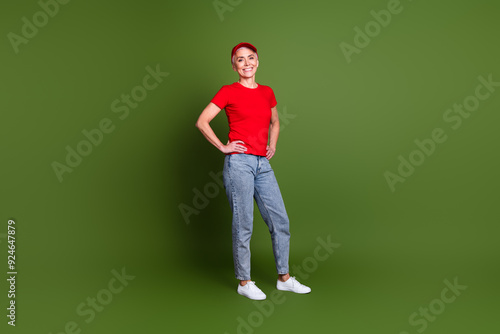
(253, 134)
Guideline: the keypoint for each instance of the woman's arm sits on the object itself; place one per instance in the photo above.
(203, 124)
(274, 129)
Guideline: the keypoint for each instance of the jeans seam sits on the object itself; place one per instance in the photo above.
(272, 223)
(236, 218)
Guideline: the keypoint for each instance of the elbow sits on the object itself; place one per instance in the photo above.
(200, 125)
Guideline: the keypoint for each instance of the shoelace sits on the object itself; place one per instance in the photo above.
(251, 282)
(295, 282)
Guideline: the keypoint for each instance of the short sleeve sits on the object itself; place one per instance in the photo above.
(221, 98)
(272, 98)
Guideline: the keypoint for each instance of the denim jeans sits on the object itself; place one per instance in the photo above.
(247, 177)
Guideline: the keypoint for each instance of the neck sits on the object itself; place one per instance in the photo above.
(248, 82)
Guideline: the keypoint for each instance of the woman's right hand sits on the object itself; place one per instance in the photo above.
(233, 147)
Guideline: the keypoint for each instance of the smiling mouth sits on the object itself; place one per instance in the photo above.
(248, 69)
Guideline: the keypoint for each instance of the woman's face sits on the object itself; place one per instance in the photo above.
(245, 63)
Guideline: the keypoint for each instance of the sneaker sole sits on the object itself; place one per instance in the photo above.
(258, 298)
(301, 293)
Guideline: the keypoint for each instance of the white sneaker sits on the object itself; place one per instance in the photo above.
(292, 285)
(250, 290)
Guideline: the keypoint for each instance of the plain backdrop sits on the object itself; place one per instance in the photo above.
(356, 91)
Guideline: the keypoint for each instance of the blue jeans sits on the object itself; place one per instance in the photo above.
(247, 177)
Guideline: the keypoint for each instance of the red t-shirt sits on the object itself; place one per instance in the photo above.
(248, 112)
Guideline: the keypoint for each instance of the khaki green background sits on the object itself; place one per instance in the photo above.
(343, 126)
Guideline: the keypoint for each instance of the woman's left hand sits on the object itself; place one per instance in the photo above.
(270, 152)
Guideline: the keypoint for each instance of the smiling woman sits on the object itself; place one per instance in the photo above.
(245, 61)
(251, 110)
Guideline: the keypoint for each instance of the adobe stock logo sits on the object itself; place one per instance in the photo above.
(427, 146)
(95, 136)
(436, 307)
(222, 6)
(373, 28)
(98, 302)
(30, 28)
